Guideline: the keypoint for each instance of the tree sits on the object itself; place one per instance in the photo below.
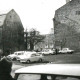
(33, 38)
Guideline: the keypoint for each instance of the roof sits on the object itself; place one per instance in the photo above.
(58, 69)
(3, 16)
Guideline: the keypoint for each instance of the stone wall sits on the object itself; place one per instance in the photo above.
(67, 25)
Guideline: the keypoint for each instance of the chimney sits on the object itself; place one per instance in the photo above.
(67, 1)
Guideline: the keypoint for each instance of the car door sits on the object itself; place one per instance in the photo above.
(38, 56)
(33, 57)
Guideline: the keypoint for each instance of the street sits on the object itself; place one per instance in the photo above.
(15, 67)
(60, 58)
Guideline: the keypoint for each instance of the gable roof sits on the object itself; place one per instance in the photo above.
(3, 16)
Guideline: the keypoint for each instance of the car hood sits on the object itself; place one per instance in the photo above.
(12, 55)
(58, 69)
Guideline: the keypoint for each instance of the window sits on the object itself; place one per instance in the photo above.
(10, 16)
(20, 53)
(33, 55)
(15, 53)
(37, 54)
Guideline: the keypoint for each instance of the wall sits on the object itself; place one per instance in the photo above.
(67, 25)
(13, 32)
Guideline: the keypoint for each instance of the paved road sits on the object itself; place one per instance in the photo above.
(15, 67)
(64, 58)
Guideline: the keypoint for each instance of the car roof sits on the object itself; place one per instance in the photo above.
(24, 51)
(19, 51)
(56, 69)
(30, 51)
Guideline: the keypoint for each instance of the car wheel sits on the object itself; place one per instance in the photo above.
(50, 53)
(71, 52)
(43, 54)
(18, 60)
(59, 52)
(28, 61)
(21, 61)
(14, 59)
(40, 60)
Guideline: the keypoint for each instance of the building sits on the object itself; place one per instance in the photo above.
(67, 25)
(11, 31)
(47, 42)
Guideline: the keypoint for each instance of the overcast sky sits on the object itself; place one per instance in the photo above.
(36, 14)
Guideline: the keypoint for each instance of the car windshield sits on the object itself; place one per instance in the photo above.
(20, 53)
(15, 53)
(65, 49)
(44, 77)
(29, 55)
(45, 50)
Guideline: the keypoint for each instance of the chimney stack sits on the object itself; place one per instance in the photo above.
(67, 1)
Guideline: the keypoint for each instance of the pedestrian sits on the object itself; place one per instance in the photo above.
(56, 51)
(5, 69)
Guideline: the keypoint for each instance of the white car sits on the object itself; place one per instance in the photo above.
(47, 51)
(15, 54)
(30, 57)
(49, 72)
(66, 50)
(24, 55)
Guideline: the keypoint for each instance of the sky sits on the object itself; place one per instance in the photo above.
(37, 14)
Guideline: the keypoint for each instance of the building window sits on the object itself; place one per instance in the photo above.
(77, 12)
(10, 16)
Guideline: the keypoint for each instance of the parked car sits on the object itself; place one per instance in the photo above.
(66, 50)
(30, 57)
(24, 55)
(48, 51)
(49, 72)
(15, 54)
